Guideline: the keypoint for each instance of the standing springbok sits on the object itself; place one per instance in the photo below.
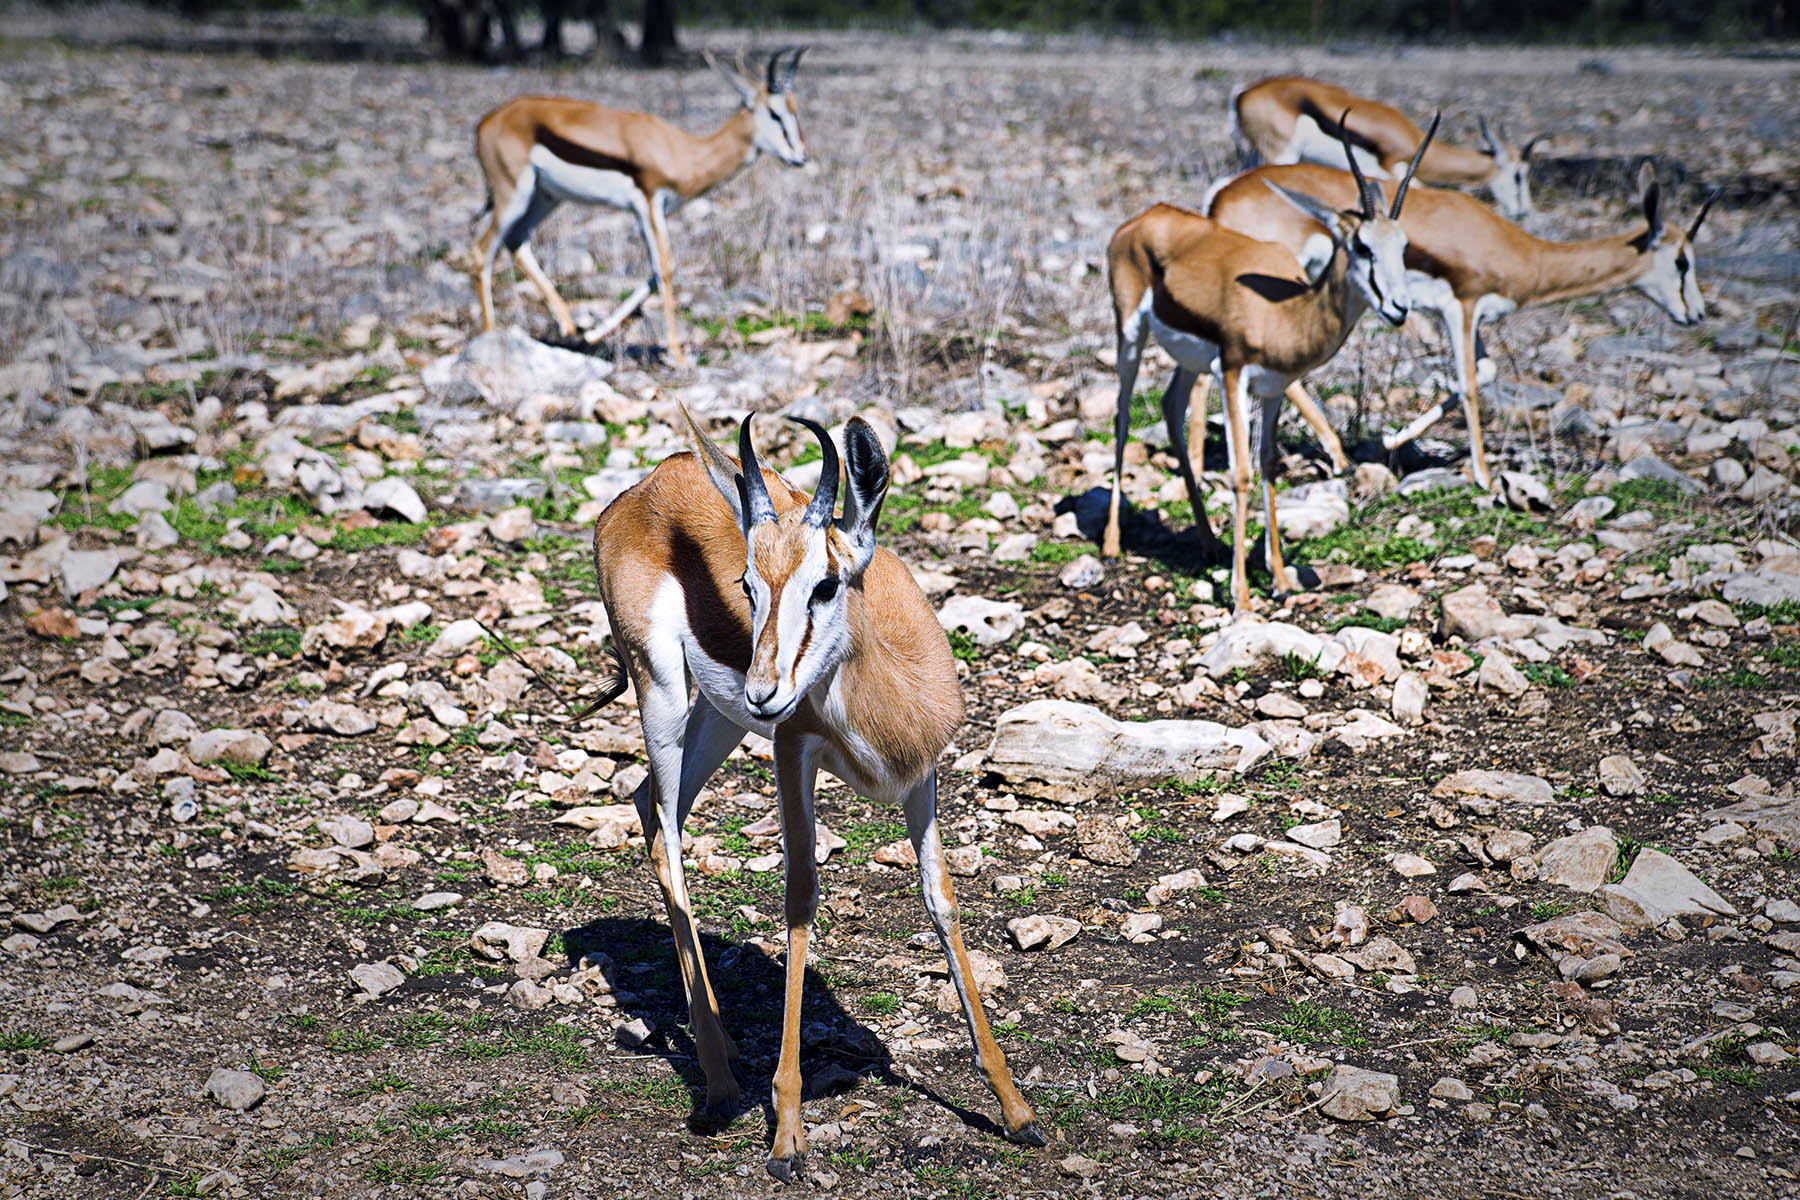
(793, 624)
(1256, 315)
(1466, 265)
(537, 151)
(1287, 119)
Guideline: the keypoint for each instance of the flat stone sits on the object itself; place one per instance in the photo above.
(499, 940)
(237, 1090)
(376, 979)
(1073, 752)
(1257, 646)
(1581, 861)
(1049, 932)
(1619, 776)
(1449, 1088)
(1354, 1094)
(350, 832)
(1473, 615)
(1320, 835)
(434, 901)
(1585, 934)
(242, 746)
(989, 622)
(1101, 840)
(1667, 887)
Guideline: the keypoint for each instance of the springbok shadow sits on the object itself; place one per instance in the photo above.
(837, 1052)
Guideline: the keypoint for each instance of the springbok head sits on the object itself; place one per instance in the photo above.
(800, 566)
(1673, 278)
(771, 101)
(1372, 241)
(1511, 180)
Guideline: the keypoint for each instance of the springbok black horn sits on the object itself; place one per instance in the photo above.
(1367, 194)
(758, 508)
(1488, 145)
(787, 76)
(1528, 147)
(824, 499)
(1701, 215)
(1418, 156)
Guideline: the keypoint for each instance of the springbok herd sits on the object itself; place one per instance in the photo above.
(794, 624)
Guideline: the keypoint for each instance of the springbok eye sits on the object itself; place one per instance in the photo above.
(826, 590)
(1681, 262)
(1361, 250)
(748, 594)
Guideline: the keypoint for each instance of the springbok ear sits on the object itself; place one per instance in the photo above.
(746, 93)
(1318, 210)
(866, 485)
(719, 468)
(1489, 146)
(1652, 193)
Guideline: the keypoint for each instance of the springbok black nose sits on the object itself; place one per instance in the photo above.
(758, 699)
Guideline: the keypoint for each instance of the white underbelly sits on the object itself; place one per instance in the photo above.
(584, 185)
(1311, 144)
(1195, 354)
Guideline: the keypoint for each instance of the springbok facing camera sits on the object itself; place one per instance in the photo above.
(794, 624)
(538, 151)
(1466, 265)
(1287, 120)
(1255, 314)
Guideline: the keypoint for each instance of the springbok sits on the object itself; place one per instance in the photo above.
(1257, 315)
(1466, 265)
(795, 624)
(538, 151)
(1287, 119)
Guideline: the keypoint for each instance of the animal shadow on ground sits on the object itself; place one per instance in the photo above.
(641, 356)
(837, 1052)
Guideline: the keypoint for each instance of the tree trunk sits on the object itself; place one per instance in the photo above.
(658, 46)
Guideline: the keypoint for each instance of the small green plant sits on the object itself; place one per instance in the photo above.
(962, 644)
(1547, 674)
(1296, 667)
(23, 1039)
(884, 1003)
(248, 772)
(1547, 912)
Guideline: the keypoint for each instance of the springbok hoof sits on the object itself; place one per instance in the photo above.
(1026, 1135)
(788, 1169)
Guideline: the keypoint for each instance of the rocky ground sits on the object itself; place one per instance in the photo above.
(1469, 871)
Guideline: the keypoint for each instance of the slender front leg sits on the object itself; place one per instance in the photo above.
(1237, 434)
(1270, 414)
(680, 762)
(487, 247)
(1314, 415)
(667, 286)
(940, 903)
(1132, 336)
(796, 766)
(1175, 408)
(1465, 378)
(1451, 321)
(629, 306)
(565, 320)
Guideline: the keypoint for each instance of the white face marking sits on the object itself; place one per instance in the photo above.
(778, 130)
(1511, 186)
(1309, 143)
(811, 629)
(585, 185)
(1673, 280)
(1377, 250)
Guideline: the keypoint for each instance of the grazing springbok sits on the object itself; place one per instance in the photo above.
(1255, 314)
(794, 624)
(1287, 119)
(537, 151)
(1466, 265)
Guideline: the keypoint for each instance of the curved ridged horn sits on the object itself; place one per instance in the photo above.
(824, 499)
(1366, 193)
(774, 77)
(1701, 215)
(1418, 156)
(1488, 145)
(1528, 147)
(787, 76)
(758, 508)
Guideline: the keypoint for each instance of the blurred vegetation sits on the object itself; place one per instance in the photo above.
(1594, 22)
